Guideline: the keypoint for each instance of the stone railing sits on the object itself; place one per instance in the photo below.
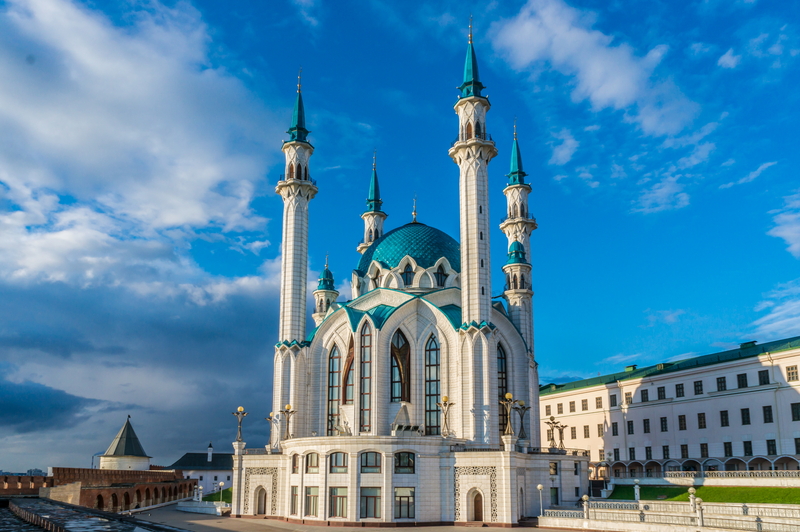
(778, 473)
(458, 448)
(610, 505)
(255, 451)
(555, 450)
(569, 514)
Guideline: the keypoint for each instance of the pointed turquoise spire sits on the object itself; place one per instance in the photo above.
(374, 197)
(472, 85)
(326, 278)
(298, 129)
(516, 254)
(517, 175)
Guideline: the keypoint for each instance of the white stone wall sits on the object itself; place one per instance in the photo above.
(133, 463)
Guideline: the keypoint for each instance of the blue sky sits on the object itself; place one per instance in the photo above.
(140, 145)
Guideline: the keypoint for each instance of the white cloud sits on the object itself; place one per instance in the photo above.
(668, 317)
(306, 9)
(563, 153)
(787, 223)
(608, 75)
(749, 177)
(593, 127)
(729, 162)
(699, 48)
(729, 60)
(667, 194)
(699, 155)
(783, 318)
(621, 358)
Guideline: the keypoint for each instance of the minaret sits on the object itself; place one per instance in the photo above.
(374, 216)
(472, 152)
(518, 291)
(324, 295)
(296, 189)
(518, 223)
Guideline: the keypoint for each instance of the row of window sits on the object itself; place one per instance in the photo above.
(370, 463)
(680, 391)
(727, 450)
(369, 503)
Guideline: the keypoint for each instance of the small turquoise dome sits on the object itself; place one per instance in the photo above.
(326, 280)
(516, 254)
(421, 242)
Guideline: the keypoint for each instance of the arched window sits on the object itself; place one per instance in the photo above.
(432, 387)
(478, 129)
(404, 463)
(364, 406)
(468, 134)
(312, 463)
(514, 282)
(370, 235)
(291, 170)
(502, 383)
(349, 375)
(334, 389)
(408, 275)
(338, 463)
(522, 282)
(376, 280)
(441, 276)
(295, 464)
(306, 173)
(401, 388)
(370, 462)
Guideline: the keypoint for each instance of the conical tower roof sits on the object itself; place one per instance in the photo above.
(126, 443)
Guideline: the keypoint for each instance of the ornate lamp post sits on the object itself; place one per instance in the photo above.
(561, 429)
(287, 415)
(220, 490)
(541, 506)
(553, 424)
(445, 406)
(240, 414)
(273, 419)
(508, 403)
(521, 409)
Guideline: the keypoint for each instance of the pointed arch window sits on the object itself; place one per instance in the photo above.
(408, 275)
(376, 279)
(432, 387)
(514, 282)
(468, 133)
(349, 375)
(502, 383)
(401, 383)
(522, 282)
(441, 276)
(291, 170)
(306, 173)
(478, 129)
(334, 389)
(365, 394)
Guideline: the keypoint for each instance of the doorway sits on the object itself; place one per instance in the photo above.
(477, 507)
(261, 501)
(554, 496)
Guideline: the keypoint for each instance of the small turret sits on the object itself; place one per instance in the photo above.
(324, 295)
(210, 451)
(373, 217)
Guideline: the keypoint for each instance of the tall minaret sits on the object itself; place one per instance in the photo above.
(472, 152)
(296, 189)
(374, 216)
(324, 295)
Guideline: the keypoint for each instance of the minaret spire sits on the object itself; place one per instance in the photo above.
(516, 175)
(414, 211)
(298, 129)
(373, 217)
(471, 85)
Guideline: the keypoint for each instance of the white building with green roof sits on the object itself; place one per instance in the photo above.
(416, 401)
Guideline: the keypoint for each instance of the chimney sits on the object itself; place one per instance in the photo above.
(210, 451)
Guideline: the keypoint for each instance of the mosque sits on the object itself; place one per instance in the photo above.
(416, 401)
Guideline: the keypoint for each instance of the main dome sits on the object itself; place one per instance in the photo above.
(423, 243)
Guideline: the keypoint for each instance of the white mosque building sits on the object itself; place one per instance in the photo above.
(408, 403)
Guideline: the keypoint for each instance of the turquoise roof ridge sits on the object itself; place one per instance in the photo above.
(516, 254)
(298, 129)
(516, 176)
(374, 197)
(423, 243)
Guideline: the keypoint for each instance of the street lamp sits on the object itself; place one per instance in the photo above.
(287, 415)
(240, 414)
(445, 406)
(521, 409)
(220, 490)
(541, 507)
(508, 403)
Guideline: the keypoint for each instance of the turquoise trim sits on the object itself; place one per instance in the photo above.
(516, 254)
(517, 175)
(472, 85)
(425, 244)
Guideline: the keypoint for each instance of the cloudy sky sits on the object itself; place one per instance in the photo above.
(140, 145)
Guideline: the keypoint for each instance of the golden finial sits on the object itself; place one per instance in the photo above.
(299, 79)
(470, 28)
(414, 212)
(515, 128)
(374, 157)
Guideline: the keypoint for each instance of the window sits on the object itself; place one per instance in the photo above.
(312, 463)
(614, 428)
(630, 426)
(600, 430)
(312, 500)
(408, 275)
(584, 405)
(547, 410)
(201, 477)
(662, 392)
(665, 452)
(338, 502)
(573, 432)
(698, 387)
(628, 398)
(338, 463)
(215, 477)
(441, 277)
(293, 502)
(365, 401)
(741, 380)
(681, 422)
(229, 477)
(295, 464)
(404, 463)
(797, 446)
(701, 420)
(722, 384)
(645, 395)
(572, 406)
(616, 454)
(703, 450)
(404, 503)
(613, 399)
(772, 449)
(601, 454)
(684, 451)
(646, 426)
(679, 390)
(370, 502)
(748, 448)
(554, 468)
(795, 411)
(370, 462)
(576, 467)
(502, 387)
(349, 375)
(334, 390)
(767, 411)
(401, 384)
(664, 425)
(763, 377)
(791, 373)
(432, 387)
(648, 453)
(727, 449)
(631, 453)
(586, 431)
(745, 416)
(598, 402)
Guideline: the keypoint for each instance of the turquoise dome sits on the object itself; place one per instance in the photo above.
(516, 254)
(421, 242)
(326, 280)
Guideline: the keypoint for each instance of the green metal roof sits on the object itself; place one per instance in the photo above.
(126, 443)
(326, 280)
(516, 176)
(374, 202)
(472, 85)
(746, 350)
(199, 461)
(516, 254)
(423, 243)
(298, 129)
